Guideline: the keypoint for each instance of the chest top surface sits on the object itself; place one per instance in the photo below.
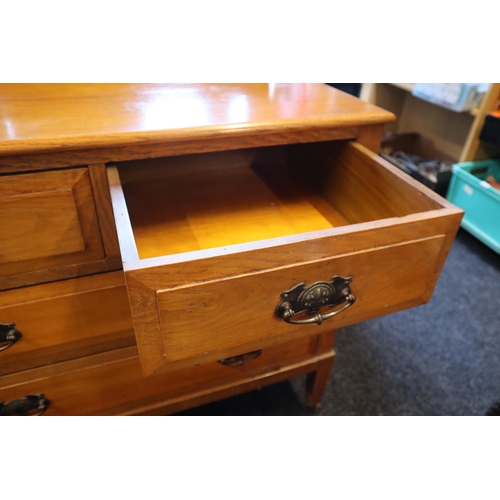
(55, 117)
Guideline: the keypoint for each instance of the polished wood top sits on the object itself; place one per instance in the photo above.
(58, 117)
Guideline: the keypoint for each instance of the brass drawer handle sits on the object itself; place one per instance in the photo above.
(8, 335)
(301, 299)
(30, 405)
(241, 359)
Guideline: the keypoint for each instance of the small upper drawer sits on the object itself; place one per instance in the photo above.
(254, 247)
(48, 223)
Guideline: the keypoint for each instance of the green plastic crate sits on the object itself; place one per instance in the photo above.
(481, 202)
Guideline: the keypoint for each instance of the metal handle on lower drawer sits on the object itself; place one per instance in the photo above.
(30, 405)
(241, 359)
(308, 300)
(8, 335)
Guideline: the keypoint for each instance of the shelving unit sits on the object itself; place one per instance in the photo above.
(444, 134)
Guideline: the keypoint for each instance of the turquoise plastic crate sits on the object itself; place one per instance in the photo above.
(481, 202)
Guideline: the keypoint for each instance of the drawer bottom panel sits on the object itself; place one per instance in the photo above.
(112, 383)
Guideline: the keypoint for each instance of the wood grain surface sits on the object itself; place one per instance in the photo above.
(186, 212)
(67, 319)
(248, 189)
(48, 117)
(230, 312)
(102, 199)
(112, 383)
(385, 207)
(48, 221)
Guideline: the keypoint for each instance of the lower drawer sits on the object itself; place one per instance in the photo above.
(64, 320)
(112, 383)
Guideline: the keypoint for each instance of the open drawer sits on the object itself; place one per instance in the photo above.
(238, 250)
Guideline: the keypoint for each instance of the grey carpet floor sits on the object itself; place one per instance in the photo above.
(442, 358)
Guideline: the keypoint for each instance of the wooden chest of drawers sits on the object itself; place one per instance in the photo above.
(164, 246)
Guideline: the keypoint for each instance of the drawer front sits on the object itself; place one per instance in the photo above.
(376, 227)
(226, 313)
(48, 222)
(64, 320)
(112, 383)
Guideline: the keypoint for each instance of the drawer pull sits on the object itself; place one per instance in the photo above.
(8, 335)
(301, 299)
(241, 359)
(30, 405)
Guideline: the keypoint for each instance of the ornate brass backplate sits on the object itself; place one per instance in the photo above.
(301, 299)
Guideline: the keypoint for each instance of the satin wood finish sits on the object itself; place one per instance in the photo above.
(316, 381)
(193, 276)
(112, 383)
(100, 190)
(43, 161)
(48, 227)
(114, 122)
(383, 277)
(66, 319)
(127, 115)
(229, 203)
(219, 193)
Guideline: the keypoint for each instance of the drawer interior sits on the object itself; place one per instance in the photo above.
(195, 202)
